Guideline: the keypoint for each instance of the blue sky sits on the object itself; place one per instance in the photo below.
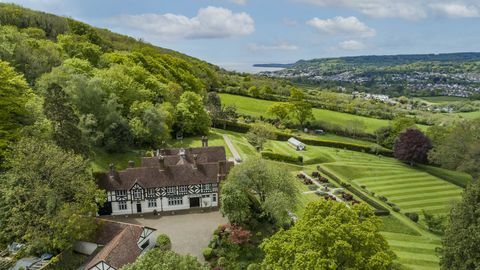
(238, 33)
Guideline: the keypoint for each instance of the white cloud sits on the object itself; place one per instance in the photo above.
(456, 10)
(350, 26)
(282, 46)
(239, 2)
(210, 22)
(351, 45)
(406, 9)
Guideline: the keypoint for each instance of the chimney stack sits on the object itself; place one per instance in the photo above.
(112, 168)
(158, 153)
(161, 162)
(131, 164)
(204, 141)
(195, 157)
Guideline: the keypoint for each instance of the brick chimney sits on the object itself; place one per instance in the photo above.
(111, 171)
(161, 162)
(195, 158)
(221, 170)
(204, 141)
(131, 164)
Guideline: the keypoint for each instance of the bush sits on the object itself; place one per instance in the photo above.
(363, 186)
(222, 261)
(412, 216)
(382, 198)
(396, 209)
(207, 253)
(391, 204)
(280, 157)
(254, 266)
(163, 242)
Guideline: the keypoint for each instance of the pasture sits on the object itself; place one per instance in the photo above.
(258, 107)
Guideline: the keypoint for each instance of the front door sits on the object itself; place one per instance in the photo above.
(139, 207)
(195, 202)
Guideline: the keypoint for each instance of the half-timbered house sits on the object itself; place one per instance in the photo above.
(173, 179)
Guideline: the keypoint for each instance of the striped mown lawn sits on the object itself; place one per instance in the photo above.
(414, 252)
(409, 189)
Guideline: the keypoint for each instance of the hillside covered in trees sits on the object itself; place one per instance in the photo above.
(88, 87)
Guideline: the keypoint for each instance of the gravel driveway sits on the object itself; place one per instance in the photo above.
(189, 233)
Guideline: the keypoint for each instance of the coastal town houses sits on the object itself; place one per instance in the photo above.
(171, 180)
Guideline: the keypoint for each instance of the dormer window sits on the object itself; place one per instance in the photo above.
(171, 190)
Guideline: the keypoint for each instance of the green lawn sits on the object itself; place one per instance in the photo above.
(412, 189)
(442, 99)
(468, 115)
(258, 107)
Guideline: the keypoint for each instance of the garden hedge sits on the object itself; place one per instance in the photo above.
(380, 210)
(284, 158)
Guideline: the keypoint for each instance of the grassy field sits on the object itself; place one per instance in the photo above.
(468, 115)
(258, 107)
(442, 99)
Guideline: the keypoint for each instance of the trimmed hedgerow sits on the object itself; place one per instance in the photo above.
(283, 158)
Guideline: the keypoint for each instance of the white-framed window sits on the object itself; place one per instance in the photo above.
(214, 197)
(175, 201)
(137, 194)
(122, 205)
(206, 196)
(183, 189)
(207, 187)
(171, 190)
(151, 192)
(152, 203)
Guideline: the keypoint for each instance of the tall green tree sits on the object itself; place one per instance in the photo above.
(301, 109)
(48, 199)
(260, 133)
(192, 118)
(157, 259)
(330, 235)
(149, 123)
(60, 112)
(461, 242)
(459, 149)
(14, 94)
(281, 111)
(257, 183)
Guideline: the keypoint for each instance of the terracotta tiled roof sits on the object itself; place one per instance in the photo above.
(175, 171)
(120, 244)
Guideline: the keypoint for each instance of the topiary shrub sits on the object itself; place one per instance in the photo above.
(412, 216)
(363, 186)
(396, 208)
(207, 253)
(382, 198)
(163, 242)
(391, 204)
